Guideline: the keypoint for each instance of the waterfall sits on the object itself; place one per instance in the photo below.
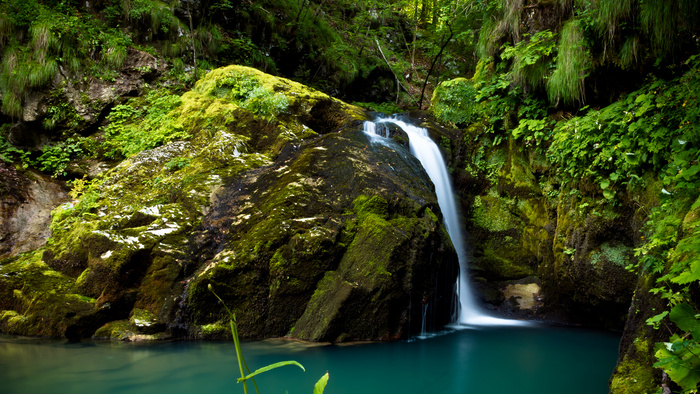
(427, 152)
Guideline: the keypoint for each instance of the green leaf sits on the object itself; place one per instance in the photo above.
(631, 158)
(685, 317)
(640, 98)
(609, 194)
(679, 361)
(655, 320)
(614, 176)
(321, 384)
(604, 184)
(688, 173)
(691, 274)
(270, 367)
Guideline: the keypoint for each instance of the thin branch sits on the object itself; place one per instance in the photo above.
(398, 82)
(425, 82)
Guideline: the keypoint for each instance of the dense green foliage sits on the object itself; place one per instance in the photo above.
(626, 75)
(133, 128)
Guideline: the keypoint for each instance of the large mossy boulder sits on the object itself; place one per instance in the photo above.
(271, 194)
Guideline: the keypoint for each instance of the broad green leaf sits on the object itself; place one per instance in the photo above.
(679, 362)
(604, 184)
(684, 316)
(687, 277)
(609, 194)
(688, 173)
(321, 384)
(614, 176)
(631, 158)
(270, 367)
(691, 274)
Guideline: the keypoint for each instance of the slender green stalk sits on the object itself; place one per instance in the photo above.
(239, 353)
(243, 367)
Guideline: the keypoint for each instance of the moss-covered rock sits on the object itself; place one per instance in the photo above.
(267, 187)
(336, 210)
(37, 300)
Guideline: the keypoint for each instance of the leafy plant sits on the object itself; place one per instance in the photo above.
(531, 58)
(246, 375)
(680, 357)
(10, 153)
(249, 93)
(55, 158)
(454, 101)
(132, 129)
(177, 164)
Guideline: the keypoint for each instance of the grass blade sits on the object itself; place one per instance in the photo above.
(270, 367)
(321, 384)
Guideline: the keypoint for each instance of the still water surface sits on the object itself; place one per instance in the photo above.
(519, 360)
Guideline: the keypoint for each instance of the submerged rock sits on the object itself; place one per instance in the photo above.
(273, 196)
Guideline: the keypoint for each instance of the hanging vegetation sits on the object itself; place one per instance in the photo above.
(572, 66)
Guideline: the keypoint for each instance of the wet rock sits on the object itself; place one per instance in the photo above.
(277, 199)
(521, 224)
(306, 251)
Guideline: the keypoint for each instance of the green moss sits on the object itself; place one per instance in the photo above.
(12, 320)
(324, 305)
(502, 260)
(80, 281)
(142, 318)
(634, 375)
(41, 301)
(216, 330)
(492, 213)
(374, 205)
(516, 175)
(117, 330)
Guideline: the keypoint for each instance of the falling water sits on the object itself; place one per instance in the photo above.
(427, 152)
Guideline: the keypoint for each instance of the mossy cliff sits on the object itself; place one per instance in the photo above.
(263, 188)
(526, 230)
(599, 210)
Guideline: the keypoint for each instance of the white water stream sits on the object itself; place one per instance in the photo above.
(427, 152)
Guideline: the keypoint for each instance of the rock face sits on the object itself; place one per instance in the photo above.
(25, 210)
(277, 200)
(80, 104)
(525, 228)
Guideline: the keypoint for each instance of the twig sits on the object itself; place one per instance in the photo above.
(398, 82)
(425, 82)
